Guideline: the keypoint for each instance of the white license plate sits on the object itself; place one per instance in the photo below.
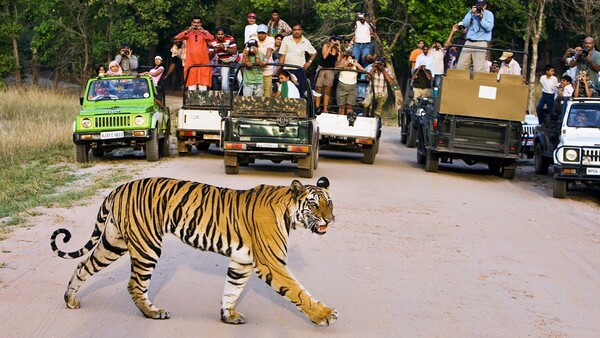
(592, 171)
(211, 137)
(111, 134)
(267, 145)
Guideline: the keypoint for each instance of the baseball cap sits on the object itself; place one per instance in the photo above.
(262, 28)
(381, 59)
(361, 15)
(251, 43)
(505, 55)
(337, 37)
(252, 15)
(481, 2)
(158, 57)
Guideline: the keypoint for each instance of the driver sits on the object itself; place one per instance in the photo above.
(140, 89)
(581, 119)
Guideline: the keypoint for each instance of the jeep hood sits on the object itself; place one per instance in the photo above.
(116, 109)
(582, 137)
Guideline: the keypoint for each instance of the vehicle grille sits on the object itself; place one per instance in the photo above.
(112, 121)
(528, 131)
(594, 155)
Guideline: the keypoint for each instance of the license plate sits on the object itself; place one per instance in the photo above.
(211, 137)
(111, 134)
(593, 171)
(267, 145)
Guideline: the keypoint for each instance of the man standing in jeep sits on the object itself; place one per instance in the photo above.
(479, 22)
(126, 59)
(587, 59)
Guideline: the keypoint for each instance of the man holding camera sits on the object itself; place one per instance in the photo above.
(379, 76)
(196, 41)
(126, 59)
(224, 46)
(479, 23)
(451, 41)
(588, 59)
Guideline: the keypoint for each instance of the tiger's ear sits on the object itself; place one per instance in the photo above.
(323, 182)
(297, 189)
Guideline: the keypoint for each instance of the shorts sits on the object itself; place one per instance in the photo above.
(325, 78)
(346, 94)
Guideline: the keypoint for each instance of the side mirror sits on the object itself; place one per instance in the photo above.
(223, 112)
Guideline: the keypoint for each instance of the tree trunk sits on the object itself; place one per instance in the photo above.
(15, 46)
(530, 14)
(35, 67)
(537, 26)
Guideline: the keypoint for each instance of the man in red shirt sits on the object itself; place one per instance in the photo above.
(224, 47)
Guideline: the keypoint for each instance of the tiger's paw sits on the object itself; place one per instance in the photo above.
(323, 315)
(232, 317)
(71, 301)
(158, 314)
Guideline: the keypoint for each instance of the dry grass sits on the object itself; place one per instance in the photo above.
(35, 122)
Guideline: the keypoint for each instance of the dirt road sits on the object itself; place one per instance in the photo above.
(453, 253)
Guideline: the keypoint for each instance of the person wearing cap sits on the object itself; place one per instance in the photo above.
(509, 65)
(266, 45)
(331, 53)
(277, 25)
(251, 27)
(157, 71)
(253, 72)
(584, 87)
(126, 60)
(362, 38)
(293, 51)
(454, 44)
(196, 41)
(225, 48)
(379, 76)
(495, 67)
(479, 22)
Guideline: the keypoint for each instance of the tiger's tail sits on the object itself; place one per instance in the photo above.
(94, 239)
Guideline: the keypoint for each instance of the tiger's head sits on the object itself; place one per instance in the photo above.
(314, 206)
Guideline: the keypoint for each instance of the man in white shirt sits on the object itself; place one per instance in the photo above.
(362, 39)
(437, 53)
(266, 45)
(549, 84)
(293, 51)
(509, 65)
(425, 59)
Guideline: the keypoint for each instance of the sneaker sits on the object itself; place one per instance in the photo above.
(315, 94)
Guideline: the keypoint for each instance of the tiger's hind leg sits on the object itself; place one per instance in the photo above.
(238, 275)
(143, 262)
(109, 249)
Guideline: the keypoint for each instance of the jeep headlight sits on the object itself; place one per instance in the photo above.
(86, 123)
(571, 155)
(139, 120)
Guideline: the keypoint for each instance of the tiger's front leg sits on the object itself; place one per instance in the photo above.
(284, 282)
(238, 275)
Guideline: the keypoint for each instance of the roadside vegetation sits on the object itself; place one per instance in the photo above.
(36, 153)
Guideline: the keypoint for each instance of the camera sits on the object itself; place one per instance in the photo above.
(585, 52)
(247, 49)
(478, 8)
(461, 27)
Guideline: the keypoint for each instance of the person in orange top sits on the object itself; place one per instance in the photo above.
(196, 37)
(416, 52)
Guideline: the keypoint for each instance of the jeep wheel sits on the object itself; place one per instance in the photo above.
(202, 146)
(307, 172)
(97, 152)
(151, 147)
(369, 153)
(421, 158)
(560, 188)
(232, 165)
(432, 162)
(494, 167)
(316, 158)
(82, 153)
(165, 146)
(403, 135)
(412, 136)
(541, 163)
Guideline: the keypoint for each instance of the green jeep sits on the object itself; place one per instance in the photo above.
(122, 111)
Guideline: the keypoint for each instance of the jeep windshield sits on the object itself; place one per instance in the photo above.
(584, 116)
(119, 89)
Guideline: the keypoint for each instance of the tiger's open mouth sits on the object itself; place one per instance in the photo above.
(321, 229)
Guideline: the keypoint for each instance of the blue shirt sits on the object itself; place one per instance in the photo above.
(479, 29)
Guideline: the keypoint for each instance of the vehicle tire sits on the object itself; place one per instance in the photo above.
(165, 146)
(411, 141)
(232, 170)
(541, 163)
(403, 135)
(151, 147)
(307, 172)
(494, 167)
(508, 173)
(377, 141)
(316, 158)
(560, 188)
(82, 153)
(202, 146)
(432, 162)
(369, 154)
(421, 157)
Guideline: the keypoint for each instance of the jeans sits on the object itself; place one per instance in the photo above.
(547, 99)
(253, 89)
(360, 50)
(225, 78)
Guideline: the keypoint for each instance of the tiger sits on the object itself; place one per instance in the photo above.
(251, 227)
